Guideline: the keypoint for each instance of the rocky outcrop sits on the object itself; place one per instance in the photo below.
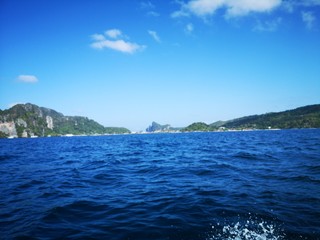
(21, 122)
(158, 128)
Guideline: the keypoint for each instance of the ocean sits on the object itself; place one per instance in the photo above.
(216, 185)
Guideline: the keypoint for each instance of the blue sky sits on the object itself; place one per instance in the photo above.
(130, 62)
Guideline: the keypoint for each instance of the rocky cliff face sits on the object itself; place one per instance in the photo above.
(29, 120)
(8, 129)
(156, 127)
(26, 120)
(49, 121)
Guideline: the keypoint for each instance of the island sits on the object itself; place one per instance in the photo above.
(30, 120)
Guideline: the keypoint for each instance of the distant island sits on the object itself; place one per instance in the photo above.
(29, 120)
(302, 117)
(156, 127)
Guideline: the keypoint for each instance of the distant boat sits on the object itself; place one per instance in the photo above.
(68, 135)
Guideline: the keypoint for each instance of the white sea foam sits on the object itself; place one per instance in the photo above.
(249, 230)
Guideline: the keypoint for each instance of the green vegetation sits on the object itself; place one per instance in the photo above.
(27, 120)
(303, 117)
(116, 130)
(3, 135)
(218, 124)
(30, 120)
(77, 126)
(199, 126)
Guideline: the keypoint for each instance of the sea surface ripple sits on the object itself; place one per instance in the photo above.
(226, 185)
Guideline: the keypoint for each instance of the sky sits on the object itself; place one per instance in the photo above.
(127, 63)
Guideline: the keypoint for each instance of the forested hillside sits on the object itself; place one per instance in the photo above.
(303, 117)
(28, 120)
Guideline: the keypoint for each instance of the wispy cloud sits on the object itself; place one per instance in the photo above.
(189, 28)
(154, 35)
(308, 18)
(267, 26)
(291, 5)
(233, 8)
(114, 39)
(27, 78)
(150, 8)
(146, 5)
(308, 2)
(288, 6)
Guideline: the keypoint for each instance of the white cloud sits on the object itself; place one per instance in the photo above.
(308, 18)
(98, 37)
(27, 78)
(268, 26)
(243, 7)
(154, 35)
(204, 7)
(234, 8)
(113, 33)
(118, 45)
(112, 40)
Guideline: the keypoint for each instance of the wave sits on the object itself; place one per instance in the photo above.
(254, 156)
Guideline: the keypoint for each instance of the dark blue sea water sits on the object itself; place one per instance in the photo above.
(228, 185)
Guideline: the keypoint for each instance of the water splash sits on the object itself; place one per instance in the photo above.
(248, 230)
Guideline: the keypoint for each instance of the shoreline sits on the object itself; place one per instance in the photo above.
(148, 133)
